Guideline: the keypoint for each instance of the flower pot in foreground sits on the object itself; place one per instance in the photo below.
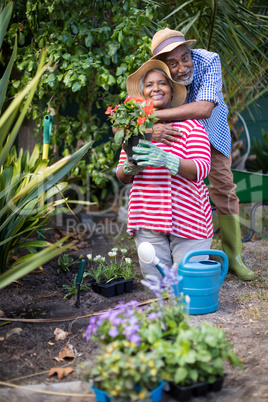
(217, 385)
(156, 394)
(195, 390)
(181, 393)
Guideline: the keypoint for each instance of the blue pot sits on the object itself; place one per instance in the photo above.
(156, 394)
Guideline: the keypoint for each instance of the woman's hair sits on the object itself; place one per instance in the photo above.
(158, 71)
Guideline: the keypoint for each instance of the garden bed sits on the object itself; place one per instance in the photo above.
(28, 346)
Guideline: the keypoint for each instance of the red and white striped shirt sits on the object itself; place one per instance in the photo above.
(174, 204)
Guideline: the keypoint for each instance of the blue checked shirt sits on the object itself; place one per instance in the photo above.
(207, 86)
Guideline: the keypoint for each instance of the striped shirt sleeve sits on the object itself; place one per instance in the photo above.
(198, 147)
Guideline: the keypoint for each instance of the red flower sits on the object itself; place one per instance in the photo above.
(128, 99)
(109, 110)
(148, 109)
(139, 99)
(141, 120)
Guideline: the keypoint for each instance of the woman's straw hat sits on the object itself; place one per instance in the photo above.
(133, 81)
(166, 40)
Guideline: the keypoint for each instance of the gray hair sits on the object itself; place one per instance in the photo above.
(158, 71)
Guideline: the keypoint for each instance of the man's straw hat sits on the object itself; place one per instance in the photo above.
(166, 40)
(133, 81)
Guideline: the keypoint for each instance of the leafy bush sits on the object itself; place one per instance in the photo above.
(92, 45)
(21, 214)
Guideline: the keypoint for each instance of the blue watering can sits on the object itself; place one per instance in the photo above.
(202, 280)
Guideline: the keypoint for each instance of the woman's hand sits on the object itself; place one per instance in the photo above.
(147, 154)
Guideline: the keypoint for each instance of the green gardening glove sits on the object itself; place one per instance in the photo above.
(130, 169)
(147, 154)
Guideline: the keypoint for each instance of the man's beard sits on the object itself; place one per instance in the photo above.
(185, 82)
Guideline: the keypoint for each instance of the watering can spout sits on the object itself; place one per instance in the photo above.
(146, 253)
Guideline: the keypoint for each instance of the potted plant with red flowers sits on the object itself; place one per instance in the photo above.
(131, 119)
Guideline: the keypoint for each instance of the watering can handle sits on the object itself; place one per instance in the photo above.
(220, 253)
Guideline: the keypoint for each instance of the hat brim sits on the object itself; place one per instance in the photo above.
(172, 46)
(133, 82)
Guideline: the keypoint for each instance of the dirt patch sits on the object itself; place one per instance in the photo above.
(28, 348)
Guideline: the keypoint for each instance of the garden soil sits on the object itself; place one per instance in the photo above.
(34, 306)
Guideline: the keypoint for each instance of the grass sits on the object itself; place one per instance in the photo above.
(252, 296)
(254, 305)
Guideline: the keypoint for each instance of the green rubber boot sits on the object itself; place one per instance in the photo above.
(232, 246)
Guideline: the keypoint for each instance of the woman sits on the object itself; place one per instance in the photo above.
(169, 202)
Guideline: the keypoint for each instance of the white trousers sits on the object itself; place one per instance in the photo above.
(168, 248)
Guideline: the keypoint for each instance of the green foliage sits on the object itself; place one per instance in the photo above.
(160, 331)
(118, 370)
(73, 290)
(21, 213)
(260, 150)
(196, 354)
(64, 261)
(118, 266)
(237, 31)
(90, 47)
(22, 181)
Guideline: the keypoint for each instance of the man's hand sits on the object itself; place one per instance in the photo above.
(166, 133)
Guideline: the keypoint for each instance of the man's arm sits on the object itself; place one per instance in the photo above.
(194, 110)
(165, 133)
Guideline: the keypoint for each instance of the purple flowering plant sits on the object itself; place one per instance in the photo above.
(123, 322)
(143, 325)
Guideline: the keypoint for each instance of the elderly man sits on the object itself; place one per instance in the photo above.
(200, 72)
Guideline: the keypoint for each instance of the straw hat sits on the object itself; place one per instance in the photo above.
(133, 81)
(166, 40)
